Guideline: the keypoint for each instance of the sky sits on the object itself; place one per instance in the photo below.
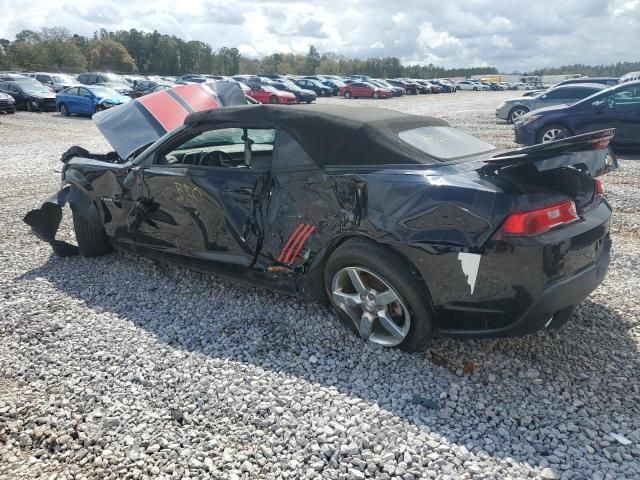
(512, 35)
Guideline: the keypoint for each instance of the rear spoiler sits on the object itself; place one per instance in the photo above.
(563, 152)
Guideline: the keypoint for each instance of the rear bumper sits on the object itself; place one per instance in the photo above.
(557, 299)
(514, 286)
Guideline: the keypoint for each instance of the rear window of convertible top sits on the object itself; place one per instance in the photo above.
(445, 143)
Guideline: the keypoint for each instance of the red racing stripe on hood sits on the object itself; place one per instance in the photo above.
(165, 109)
(198, 97)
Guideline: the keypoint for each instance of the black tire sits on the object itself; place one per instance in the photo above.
(273, 100)
(395, 271)
(347, 94)
(475, 89)
(64, 110)
(28, 106)
(92, 241)
(514, 114)
(308, 102)
(556, 126)
(376, 95)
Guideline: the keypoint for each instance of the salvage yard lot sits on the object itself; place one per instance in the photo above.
(118, 367)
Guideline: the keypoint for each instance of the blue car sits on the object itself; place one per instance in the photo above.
(616, 107)
(88, 99)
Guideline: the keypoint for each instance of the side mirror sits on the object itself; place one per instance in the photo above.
(255, 89)
(543, 97)
(598, 104)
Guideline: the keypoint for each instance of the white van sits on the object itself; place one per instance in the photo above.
(630, 77)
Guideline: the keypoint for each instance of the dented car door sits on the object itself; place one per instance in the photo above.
(203, 212)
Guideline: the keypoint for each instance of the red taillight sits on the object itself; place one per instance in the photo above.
(540, 220)
(599, 187)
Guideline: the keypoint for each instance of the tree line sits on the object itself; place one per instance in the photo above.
(135, 51)
(613, 69)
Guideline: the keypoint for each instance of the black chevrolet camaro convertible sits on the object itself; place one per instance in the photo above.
(408, 227)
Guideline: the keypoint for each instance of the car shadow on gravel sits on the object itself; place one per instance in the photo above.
(546, 396)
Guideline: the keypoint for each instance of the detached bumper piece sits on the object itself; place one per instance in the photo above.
(45, 221)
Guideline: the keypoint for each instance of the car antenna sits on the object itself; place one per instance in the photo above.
(247, 147)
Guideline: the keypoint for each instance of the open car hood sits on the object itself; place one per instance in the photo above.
(136, 124)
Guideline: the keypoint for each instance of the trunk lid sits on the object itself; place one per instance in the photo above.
(567, 166)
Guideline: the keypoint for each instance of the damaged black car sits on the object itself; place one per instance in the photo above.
(409, 227)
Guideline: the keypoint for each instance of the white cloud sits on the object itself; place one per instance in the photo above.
(510, 35)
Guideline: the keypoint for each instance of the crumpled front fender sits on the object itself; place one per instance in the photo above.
(45, 221)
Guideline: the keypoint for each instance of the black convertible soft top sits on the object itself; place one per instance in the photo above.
(332, 135)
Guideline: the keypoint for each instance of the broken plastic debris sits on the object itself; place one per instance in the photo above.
(425, 402)
(620, 439)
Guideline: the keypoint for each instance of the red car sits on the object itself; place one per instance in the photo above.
(267, 94)
(364, 89)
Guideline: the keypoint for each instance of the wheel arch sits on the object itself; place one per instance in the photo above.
(315, 278)
(516, 107)
(81, 201)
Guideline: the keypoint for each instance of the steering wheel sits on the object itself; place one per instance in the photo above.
(225, 159)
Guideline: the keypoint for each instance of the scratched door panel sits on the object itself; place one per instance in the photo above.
(160, 218)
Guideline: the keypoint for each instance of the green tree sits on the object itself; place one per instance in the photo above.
(313, 60)
(110, 55)
(165, 57)
(60, 50)
(5, 59)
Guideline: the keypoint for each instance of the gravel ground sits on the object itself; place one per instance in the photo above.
(118, 367)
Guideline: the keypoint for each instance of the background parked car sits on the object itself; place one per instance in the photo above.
(511, 110)
(306, 96)
(447, 87)
(396, 91)
(7, 103)
(616, 107)
(270, 94)
(111, 80)
(333, 84)
(57, 81)
(425, 87)
(468, 85)
(30, 95)
(410, 87)
(630, 77)
(191, 78)
(315, 85)
(9, 76)
(145, 87)
(608, 81)
(364, 89)
(88, 99)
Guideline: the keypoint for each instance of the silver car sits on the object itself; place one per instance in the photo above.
(57, 81)
(511, 110)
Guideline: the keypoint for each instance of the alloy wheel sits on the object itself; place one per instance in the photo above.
(553, 134)
(517, 113)
(378, 312)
